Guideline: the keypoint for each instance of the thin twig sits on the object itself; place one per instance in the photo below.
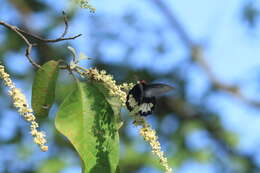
(49, 40)
(61, 38)
(28, 49)
(22, 34)
(65, 19)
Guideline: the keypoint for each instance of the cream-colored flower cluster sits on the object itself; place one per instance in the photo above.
(149, 135)
(126, 86)
(110, 83)
(19, 101)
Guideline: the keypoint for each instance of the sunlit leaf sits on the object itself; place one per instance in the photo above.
(113, 101)
(54, 165)
(88, 120)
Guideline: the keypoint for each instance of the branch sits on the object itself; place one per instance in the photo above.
(22, 34)
(198, 56)
(186, 113)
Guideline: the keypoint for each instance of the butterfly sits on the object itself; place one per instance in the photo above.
(144, 95)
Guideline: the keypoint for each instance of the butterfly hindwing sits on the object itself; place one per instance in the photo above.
(147, 106)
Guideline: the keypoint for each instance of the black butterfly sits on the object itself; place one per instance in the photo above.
(143, 95)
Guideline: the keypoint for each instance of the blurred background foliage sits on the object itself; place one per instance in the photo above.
(201, 126)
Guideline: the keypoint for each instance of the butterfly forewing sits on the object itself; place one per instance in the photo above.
(154, 90)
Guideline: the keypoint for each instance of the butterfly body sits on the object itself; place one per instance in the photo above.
(144, 95)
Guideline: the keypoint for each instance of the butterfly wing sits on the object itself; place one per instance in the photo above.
(153, 90)
(134, 97)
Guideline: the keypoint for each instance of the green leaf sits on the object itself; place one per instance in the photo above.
(54, 165)
(88, 120)
(43, 89)
(113, 101)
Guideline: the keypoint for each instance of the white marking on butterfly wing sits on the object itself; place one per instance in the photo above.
(146, 107)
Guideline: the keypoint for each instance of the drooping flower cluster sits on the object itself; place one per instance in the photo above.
(19, 101)
(149, 135)
(110, 83)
